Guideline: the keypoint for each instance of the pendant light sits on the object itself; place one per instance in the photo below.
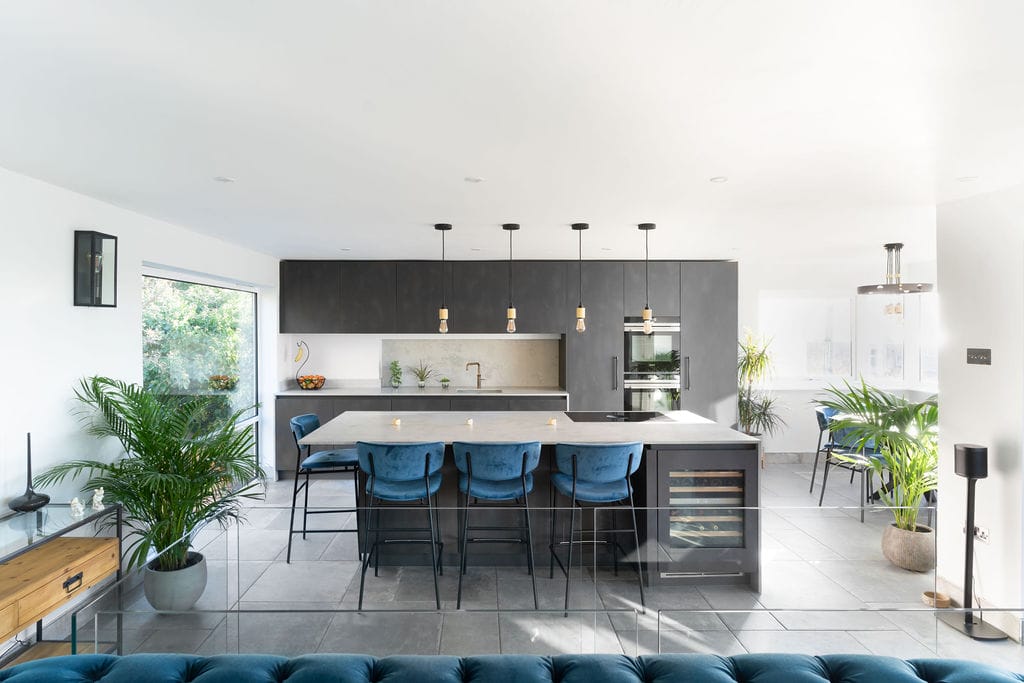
(442, 313)
(581, 311)
(894, 284)
(510, 312)
(647, 314)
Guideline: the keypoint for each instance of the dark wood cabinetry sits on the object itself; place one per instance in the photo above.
(593, 373)
(709, 315)
(368, 296)
(479, 297)
(310, 296)
(540, 297)
(419, 296)
(664, 288)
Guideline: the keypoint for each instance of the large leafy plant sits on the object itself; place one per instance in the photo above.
(903, 431)
(758, 409)
(182, 466)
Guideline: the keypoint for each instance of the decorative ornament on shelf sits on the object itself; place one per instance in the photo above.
(308, 382)
(30, 500)
(77, 509)
(97, 499)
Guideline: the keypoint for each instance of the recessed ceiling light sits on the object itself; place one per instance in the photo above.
(474, 248)
(967, 178)
(606, 248)
(474, 179)
(719, 179)
(223, 179)
(346, 249)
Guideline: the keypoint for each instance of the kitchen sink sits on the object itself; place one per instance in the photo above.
(478, 391)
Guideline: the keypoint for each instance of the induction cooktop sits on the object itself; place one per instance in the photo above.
(620, 416)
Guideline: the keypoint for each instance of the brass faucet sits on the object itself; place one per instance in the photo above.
(479, 379)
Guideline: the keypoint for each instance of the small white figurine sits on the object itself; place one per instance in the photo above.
(77, 509)
(97, 499)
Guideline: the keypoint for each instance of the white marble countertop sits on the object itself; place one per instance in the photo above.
(432, 391)
(685, 428)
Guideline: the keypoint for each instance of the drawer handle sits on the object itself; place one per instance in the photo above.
(73, 583)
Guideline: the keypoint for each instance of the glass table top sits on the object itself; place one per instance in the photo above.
(20, 531)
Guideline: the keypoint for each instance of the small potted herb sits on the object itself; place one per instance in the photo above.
(445, 383)
(423, 372)
(396, 374)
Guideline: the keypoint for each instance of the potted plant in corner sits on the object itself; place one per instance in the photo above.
(182, 467)
(423, 372)
(758, 414)
(904, 434)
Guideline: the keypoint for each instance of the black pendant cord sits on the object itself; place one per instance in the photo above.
(443, 304)
(647, 269)
(581, 267)
(510, 298)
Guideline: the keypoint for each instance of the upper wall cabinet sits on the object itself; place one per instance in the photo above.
(539, 289)
(419, 295)
(664, 288)
(479, 296)
(310, 296)
(368, 296)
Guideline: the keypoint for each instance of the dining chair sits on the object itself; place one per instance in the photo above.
(344, 460)
(496, 473)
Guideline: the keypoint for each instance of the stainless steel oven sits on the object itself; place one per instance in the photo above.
(651, 372)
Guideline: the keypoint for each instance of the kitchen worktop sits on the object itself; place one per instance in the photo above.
(388, 392)
(683, 429)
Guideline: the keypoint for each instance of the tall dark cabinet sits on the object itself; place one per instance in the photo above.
(479, 296)
(664, 288)
(310, 296)
(419, 296)
(593, 372)
(709, 314)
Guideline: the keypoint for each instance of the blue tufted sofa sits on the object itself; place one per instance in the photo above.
(338, 668)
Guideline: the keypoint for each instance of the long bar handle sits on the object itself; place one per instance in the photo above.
(615, 373)
(686, 373)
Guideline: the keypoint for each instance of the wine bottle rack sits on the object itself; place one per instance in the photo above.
(706, 508)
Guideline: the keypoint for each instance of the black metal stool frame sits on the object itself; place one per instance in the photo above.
(304, 487)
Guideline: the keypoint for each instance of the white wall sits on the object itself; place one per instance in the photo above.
(981, 273)
(47, 344)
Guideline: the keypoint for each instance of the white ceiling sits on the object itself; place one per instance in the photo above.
(354, 124)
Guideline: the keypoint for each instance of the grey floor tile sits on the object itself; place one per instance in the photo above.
(668, 640)
(470, 633)
(176, 640)
(799, 585)
(380, 633)
(548, 633)
(750, 621)
(302, 581)
(802, 545)
(834, 621)
(801, 642)
(288, 634)
(892, 644)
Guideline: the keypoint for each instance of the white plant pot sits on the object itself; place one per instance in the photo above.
(177, 590)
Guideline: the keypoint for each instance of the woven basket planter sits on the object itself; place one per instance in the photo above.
(912, 550)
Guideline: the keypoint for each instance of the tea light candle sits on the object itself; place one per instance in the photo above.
(397, 422)
(469, 421)
(552, 422)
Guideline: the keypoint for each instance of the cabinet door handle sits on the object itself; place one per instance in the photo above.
(615, 372)
(73, 583)
(686, 373)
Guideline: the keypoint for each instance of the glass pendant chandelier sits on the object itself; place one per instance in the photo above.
(442, 313)
(581, 311)
(647, 314)
(894, 284)
(510, 312)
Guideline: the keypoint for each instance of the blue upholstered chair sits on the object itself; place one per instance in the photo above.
(843, 450)
(596, 474)
(318, 462)
(496, 472)
(401, 473)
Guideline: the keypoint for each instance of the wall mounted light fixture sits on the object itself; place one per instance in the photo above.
(95, 269)
(510, 312)
(647, 314)
(581, 311)
(442, 312)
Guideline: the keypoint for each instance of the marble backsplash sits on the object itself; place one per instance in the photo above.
(504, 362)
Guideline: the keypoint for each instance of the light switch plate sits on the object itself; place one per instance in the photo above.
(979, 356)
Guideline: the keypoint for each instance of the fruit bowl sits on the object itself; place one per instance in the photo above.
(310, 381)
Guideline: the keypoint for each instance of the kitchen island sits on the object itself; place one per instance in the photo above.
(697, 489)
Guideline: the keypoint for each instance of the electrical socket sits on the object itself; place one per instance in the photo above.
(980, 533)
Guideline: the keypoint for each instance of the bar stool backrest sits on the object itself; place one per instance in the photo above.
(303, 424)
(400, 461)
(496, 461)
(600, 463)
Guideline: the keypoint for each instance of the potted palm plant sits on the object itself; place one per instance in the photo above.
(904, 433)
(758, 412)
(184, 465)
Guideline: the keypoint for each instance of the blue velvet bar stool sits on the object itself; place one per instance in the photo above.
(319, 462)
(596, 474)
(496, 472)
(401, 473)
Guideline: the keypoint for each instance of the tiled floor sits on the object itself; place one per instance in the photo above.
(822, 568)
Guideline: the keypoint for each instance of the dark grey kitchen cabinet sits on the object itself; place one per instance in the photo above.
(368, 296)
(419, 296)
(310, 296)
(664, 288)
(557, 404)
(420, 403)
(479, 297)
(709, 313)
(539, 288)
(482, 403)
(593, 359)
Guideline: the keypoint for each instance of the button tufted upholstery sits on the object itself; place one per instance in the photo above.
(335, 668)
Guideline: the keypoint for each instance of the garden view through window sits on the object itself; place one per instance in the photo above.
(200, 339)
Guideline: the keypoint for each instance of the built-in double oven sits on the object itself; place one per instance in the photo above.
(651, 372)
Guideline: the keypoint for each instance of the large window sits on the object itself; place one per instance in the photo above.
(200, 339)
(811, 336)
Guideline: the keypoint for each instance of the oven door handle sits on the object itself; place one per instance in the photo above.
(686, 373)
(615, 373)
